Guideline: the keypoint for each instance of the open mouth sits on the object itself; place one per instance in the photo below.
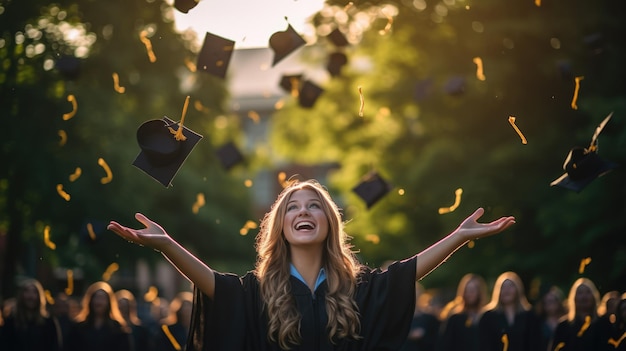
(305, 225)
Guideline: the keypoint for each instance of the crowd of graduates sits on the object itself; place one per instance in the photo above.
(106, 319)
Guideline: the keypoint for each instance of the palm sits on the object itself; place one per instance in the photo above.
(153, 235)
(471, 229)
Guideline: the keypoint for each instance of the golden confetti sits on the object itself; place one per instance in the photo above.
(279, 104)
(559, 346)
(295, 86)
(199, 203)
(151, 294)
(249, 225)
(471, 244)
(76, 174)
(616, 343)
(171, 337)
(519, 132)
(362, 100)
(49, 298)
(505, 342)
(143, 36)
(400, 192)
(388, 25)
(576, 89)
(190, 65)
(70, 283)
(63, 136)
(373, 238)
(92, 234)
(479, 68)
(46, 238)
(178, 134)
(200, 107)
(457, 202)
(112, 268)
(71, 98)
(348, 6)
(583, 263)
(584, 327)
(248, 183)
(254, 116)
(62, 192)
(282, 179)
(538, 3)
(116, 84)
(109, 176)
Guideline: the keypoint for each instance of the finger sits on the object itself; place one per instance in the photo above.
(478, 213)
(143, 219)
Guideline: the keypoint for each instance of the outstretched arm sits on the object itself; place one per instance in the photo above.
(154, 236)
(469, 229)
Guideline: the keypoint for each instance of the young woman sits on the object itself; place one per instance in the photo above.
(308, 291)
(508, 321)
(460, 317)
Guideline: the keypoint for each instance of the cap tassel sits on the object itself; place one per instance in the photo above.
(178, 134)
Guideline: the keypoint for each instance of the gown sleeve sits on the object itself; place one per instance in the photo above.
(218, 324)
(386, 301)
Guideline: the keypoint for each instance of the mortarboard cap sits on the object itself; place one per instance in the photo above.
(284, 43)
(583, 165)
(455, 86)
(291, 83)
(215, 55)
(185, 5)
(229, 155)
(372, 188)
(68, 66)
(337, 38)
(161, 154)
(336, 61)
(309, 94)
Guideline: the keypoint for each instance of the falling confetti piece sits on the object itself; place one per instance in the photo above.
(505, 342)
(348, 6)
(171, 337)
(279, 104)
(76, 174)
(576, 89)
(583, 263)
(538, 3)
(247, 226)
(71, 98)
(479, 68)
(362, 100)
(190, 65)
(295, 86)
(143, 36)
(46, 238)
(70, 283)
(616, 343)
(200, 107)
(178, 134)
(248, 183)
(400, 192)
(584, 327)
(457, 202)
(519, 132)
(254, 116)
(92, 234)
(559, 346)
(62, 192)
(373, 238)
(151, 294)
(200, 201)
(112, 268)
(109, 176)
(388, 25)
(63, 136)
(49, 298)
(471, 244)
(116, 84)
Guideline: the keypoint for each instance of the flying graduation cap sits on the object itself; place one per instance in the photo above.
(284, 43)
(583, 165)
(185, 5)
(215, 55)
(229, 155)
(372, 188)
(161, 154)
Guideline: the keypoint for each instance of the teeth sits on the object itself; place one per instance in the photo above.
(304, 224)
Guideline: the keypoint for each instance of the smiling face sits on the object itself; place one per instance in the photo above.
(305, 222)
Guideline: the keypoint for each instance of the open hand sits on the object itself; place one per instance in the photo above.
(470, 229)
(153, 235)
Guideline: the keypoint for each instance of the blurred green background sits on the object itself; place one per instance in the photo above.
(424, 139)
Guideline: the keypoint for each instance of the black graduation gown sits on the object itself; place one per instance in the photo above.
(522, 335)
(41, 337)
(459, 335)
(234, 320)
(568, 333)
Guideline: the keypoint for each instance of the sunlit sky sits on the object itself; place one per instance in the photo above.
(249, 23)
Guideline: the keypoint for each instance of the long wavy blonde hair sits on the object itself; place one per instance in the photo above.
(272, 271)
(113, 312)
(521, 304)
(572, 312)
